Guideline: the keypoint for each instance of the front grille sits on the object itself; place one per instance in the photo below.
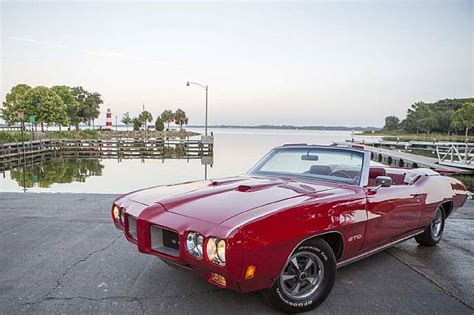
(170, 239)
(132, 227)
(164, 240)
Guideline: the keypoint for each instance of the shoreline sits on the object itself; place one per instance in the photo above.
(387, 136)
(15, 136)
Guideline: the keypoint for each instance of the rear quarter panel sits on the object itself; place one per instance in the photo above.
(271, 235)
(438, 190)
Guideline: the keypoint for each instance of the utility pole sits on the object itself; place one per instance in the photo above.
(21, 118)
(205, 87)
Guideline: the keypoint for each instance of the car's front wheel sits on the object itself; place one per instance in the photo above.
(306, 280)
(433, 232)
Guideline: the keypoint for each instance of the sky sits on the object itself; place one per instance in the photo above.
(300, 63)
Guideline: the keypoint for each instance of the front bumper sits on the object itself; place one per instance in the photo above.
(163, 234)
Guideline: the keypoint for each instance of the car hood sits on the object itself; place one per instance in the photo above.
(218, 200)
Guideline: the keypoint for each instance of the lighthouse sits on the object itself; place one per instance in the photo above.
(108, 121)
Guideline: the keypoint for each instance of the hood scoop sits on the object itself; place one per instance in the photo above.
(244, 188)
(259, 185)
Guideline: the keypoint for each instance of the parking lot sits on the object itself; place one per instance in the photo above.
(60, 253)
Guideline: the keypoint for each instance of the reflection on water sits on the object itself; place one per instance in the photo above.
(235, 151)
(57, 171)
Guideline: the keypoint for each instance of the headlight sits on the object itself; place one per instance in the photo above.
(221, 250)
(215, 250)
(194, 243)
(116, 213)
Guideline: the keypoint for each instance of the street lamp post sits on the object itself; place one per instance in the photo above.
(188, 83)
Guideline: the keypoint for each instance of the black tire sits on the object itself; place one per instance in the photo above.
(316, 281)
(434, 231)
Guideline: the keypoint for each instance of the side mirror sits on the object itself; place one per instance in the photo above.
(383, 181)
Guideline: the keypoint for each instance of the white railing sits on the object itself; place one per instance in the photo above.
(453, 154)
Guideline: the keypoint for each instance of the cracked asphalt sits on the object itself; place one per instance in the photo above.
(60, 253)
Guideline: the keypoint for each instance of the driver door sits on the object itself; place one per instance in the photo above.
(392, 212)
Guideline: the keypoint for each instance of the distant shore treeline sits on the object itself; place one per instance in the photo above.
(290, 127)
(448, 116)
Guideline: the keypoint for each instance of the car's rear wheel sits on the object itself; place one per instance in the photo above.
(306, 280)
(433, 232)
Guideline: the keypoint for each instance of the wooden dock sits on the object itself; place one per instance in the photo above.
(404, 159)
(18, 153)
(415, 145)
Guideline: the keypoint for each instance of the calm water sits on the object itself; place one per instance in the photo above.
(235, 151)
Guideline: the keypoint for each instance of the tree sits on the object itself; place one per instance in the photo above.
(464, 117)
(47, 106)
(159, 125)
(14, 101)
(410, 123)
(70, 102)
(145, 117)
(426, 118)
(392, 123)
(180, 118)
(167, 117)
(420, 117)
(126, 119)
(93, 102)
(137, 123)
(89, 105)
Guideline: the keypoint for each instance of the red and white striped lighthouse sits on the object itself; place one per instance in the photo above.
(108, 121)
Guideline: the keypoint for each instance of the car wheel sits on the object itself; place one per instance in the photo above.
(433, 232)
(306, 280)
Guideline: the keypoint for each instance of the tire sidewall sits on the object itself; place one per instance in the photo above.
(443, 219)
(426, 238)
(285, 303)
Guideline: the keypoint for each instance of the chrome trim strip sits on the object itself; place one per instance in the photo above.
(375, 251)
(364, 175)
(175, 264)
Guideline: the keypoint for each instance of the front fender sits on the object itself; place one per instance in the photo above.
(269, 240)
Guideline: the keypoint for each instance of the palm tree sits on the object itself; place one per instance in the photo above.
(180, 118)
(145, 117)
(167, 116)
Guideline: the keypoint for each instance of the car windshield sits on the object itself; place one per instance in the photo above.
(331, 164)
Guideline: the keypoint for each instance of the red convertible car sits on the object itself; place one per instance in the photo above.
(290, 222)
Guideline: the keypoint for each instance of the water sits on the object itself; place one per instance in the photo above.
(235, 151)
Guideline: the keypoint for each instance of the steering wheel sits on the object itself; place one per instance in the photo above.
(341, 173)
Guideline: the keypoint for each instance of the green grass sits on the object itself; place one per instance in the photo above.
(13, 136)
(468, 181)
(16, 136)
(83, 134)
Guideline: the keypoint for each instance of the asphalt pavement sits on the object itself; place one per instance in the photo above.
(60, 253)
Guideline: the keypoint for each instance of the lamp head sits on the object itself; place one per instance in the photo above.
(187, 83)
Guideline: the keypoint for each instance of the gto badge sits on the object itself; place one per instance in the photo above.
(355, 237)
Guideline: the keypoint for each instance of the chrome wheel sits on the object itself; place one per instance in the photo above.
(302, 275)
(437, 224)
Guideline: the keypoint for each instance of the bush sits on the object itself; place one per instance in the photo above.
(159, 124)
(7, 137)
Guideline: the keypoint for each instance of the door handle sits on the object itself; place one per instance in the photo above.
(417, 197)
